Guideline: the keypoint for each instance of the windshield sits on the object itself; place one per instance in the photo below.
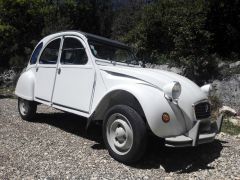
(112, 52)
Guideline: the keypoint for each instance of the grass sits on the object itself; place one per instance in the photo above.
(230, 128)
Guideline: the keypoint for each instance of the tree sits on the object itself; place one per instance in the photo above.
(21, 22)
(224, 23)
(174, 32)
(24, 22)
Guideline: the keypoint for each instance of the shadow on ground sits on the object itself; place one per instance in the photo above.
(180, 160)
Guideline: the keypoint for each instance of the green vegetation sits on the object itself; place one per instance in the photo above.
(230, 128)
(185, 33)
(194, 34)
(24, 22)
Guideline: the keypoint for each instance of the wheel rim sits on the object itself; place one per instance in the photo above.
(119, 134)
(23, 107)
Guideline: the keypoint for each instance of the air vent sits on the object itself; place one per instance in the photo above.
(202, 110)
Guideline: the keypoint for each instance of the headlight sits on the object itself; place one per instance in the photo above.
(172, 90)
(207, 89)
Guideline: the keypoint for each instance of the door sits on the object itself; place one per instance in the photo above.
(75, 77)
(46, 71)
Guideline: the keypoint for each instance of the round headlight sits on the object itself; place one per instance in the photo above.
(172, 90)
(176, 91)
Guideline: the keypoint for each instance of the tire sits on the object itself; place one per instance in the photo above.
(27, 109)
(124, 134)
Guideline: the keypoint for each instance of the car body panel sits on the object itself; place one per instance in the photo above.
(72, 81)
(25, 85)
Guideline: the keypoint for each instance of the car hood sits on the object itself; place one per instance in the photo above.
(191, 94)
(157, 78)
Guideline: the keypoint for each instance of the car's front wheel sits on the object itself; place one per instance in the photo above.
(27, 109)
(124, 133)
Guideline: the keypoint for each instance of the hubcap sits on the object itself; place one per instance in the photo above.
(23, 106)
(119, 134)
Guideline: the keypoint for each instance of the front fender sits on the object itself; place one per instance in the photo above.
(25, 85)
(154, 104)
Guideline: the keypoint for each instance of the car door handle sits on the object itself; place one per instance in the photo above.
(59, 71)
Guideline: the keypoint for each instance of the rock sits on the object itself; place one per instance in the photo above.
(145, 177)
(228, 91)
(228, 84)
(176, 70)
(165, 67)
(222, 134)
(235, 64)
(162, 168)
(223, 65)
(168, 178)
(228, 111)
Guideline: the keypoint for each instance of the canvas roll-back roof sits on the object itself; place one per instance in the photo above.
(103, 39)
(93, 37)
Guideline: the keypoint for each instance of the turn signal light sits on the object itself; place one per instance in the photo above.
(165, 117)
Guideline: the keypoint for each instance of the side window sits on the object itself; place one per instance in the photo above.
(73, 52)
(35, 54)
(50, 53)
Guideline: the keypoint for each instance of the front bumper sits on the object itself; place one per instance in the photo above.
(194, 137)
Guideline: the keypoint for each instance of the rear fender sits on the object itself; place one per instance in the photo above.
(25, 85)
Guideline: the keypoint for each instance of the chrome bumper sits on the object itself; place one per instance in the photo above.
(193, 137)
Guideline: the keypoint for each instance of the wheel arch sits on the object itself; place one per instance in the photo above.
(118, 97)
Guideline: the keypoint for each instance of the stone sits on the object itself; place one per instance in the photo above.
(168, 178)
(235, 64)
(145, 177)
(223, 65)
(228, 111)
(165, 67)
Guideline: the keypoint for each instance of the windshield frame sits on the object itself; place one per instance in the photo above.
(134, 60)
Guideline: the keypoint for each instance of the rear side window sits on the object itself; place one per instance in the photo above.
(50, 53)
(35, 54)
(73, 52)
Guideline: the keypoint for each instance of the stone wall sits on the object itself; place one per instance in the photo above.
(227, 88)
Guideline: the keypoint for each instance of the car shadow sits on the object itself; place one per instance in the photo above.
(180, 160)
(72, 124)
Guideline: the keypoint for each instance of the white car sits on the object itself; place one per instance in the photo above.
(99, 79)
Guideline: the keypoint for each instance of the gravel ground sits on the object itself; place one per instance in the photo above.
(56, 146)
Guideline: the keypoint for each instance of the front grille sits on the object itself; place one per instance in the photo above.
(202, 110)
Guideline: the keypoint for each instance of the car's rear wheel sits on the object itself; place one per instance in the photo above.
(124, 133)
(27, 109)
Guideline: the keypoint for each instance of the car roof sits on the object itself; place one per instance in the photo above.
(93, 37)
